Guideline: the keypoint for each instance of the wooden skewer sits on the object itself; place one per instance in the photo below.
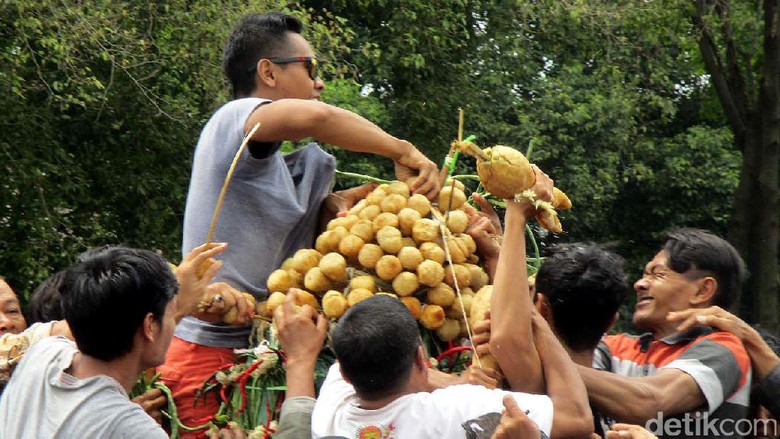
(460, 124)
(445, 170)
(228, 177)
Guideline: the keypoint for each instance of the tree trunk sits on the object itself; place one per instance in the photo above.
(742, 224)
(769, 106)
(754, 224)
(753, 228)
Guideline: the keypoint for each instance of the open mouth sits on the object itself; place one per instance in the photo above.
(644, 300)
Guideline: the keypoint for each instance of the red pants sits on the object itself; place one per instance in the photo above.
(187, 366)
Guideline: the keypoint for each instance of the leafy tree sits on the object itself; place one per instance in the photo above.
(609, 95)
(633, 108)
(102, 103)
(740, 47)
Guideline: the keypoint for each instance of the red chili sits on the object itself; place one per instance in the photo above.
(242, 379)
(223, 393)
(451, 351)
(268, 410)
(203, 420)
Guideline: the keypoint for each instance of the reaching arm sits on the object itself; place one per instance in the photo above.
(511, 340)
(295, 119)
(766, 364)
(670, 391)
(192, 287)
(573, 417)
(761, 355)
(473, 375)
(485, 228)
(515, 424)
(301, 334)
(627, 431)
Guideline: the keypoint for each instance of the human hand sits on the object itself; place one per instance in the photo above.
(192, 288)
(712, 316)
(543, 189)
(341, 201)
(481, 336)
(220, 297)
(414, 164)
(484, 227)
(301, 330)
(152, 401)
(761, 354)
(515, 424)
(481, 377)
(622, 431)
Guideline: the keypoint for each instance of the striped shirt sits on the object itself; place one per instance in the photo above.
(716, 360)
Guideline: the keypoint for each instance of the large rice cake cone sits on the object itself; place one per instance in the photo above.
(506, 173)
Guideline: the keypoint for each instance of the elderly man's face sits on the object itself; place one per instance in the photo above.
(659, 291)
(11, 318)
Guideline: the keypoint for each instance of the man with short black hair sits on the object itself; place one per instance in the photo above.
(121, 306)
(579, 289)
(380, 384)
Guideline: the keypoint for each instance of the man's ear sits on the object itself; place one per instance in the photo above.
(705, 295)
(420, 360)
(543, 306)
(148, 327)
(265, 73)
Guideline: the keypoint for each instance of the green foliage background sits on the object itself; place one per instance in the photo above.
(102, 103)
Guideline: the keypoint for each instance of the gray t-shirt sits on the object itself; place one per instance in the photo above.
(271, 209)
(44, 401)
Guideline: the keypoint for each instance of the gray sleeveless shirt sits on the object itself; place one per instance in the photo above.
(271, 209)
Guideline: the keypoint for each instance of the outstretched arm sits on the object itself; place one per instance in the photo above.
(301, 332)
(761, 355)
(515, 424)
(627, 431)
(192, 287)
(573, 417)
(766, 364)
(670, 391)
(511, 340)
(485, 228)
(295, 119)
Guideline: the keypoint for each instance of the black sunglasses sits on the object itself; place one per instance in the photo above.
(311, 63)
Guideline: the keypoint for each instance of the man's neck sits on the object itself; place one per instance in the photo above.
(125, 370)
(663, 331)
(264, 93)
(583, 358)
(412, 386)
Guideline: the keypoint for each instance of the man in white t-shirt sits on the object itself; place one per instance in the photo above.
(121, 306)
(379, 387)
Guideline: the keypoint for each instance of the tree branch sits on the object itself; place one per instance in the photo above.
(736, 81)
(736, 113)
